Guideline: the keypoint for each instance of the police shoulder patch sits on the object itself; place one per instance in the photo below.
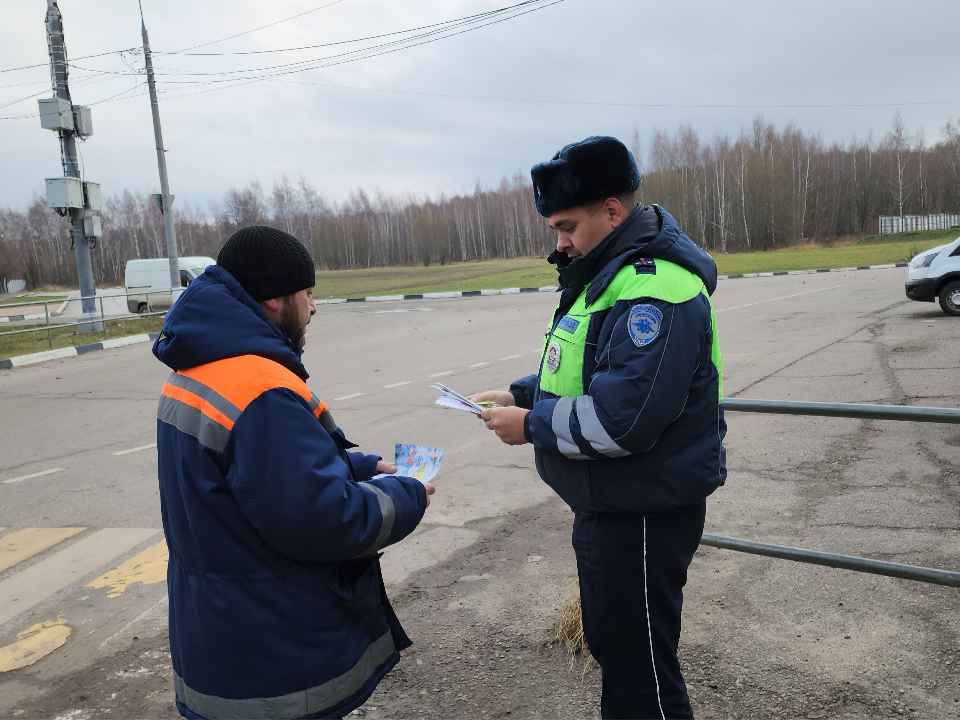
(643, 324)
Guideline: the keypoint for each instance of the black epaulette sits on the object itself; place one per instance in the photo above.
(645, 266)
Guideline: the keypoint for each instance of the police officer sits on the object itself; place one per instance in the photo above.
(625, 415)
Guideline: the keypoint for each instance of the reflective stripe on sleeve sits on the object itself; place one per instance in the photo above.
(593, 431)
(215, 399)
(561, 428)
(293, 705)
(389, 512)
(191, 420)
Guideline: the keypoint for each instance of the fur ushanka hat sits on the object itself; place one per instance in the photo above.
(582, 172)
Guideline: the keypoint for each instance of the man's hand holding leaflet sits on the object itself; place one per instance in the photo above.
(295, 490)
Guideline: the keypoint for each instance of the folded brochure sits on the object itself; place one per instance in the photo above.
(416, 461)
(455, 400)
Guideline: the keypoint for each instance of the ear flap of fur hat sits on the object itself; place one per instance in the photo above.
(595, 168)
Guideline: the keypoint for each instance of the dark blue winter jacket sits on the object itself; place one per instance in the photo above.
(277, 607)
(638, 427)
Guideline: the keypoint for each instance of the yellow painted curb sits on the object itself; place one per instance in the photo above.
(34, 643)
(148, 567)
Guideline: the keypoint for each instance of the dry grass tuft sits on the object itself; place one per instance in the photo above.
(567, 634)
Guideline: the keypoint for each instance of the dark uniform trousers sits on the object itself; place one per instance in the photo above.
(632, 571)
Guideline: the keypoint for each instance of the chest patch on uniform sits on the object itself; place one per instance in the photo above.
(645, 266)
(553, 357)
(568, 324)
(644, 324)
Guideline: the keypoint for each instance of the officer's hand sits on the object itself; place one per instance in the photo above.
(430, 491)
(507, 423)
(500, 397)
(387, 468)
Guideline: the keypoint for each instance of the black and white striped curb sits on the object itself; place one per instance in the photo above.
(438, 295)
(553, 288)
(75, 350)
(891, 266)
(133, 339)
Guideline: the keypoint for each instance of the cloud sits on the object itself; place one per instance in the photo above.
(603, 51)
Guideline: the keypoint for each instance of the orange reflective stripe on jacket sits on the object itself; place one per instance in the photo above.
(207, 400)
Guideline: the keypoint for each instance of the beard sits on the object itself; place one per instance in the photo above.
(294, 329)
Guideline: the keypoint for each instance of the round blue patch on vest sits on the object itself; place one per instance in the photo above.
(644, 324)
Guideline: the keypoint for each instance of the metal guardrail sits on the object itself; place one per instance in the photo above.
(102, 320)
(815, 557)
(845, 410)
(844, 562)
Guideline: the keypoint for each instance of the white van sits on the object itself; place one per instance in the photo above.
(153, 277)
(935, 275)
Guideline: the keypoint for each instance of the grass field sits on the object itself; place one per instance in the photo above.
(36, 341)
(517, 272)
(536, 272)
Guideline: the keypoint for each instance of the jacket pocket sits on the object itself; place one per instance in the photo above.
(354, 576)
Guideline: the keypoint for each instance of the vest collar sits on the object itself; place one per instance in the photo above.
(598, 267)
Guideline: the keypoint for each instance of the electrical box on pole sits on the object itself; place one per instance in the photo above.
(64, 193)
(82, 121)
(92, 227)
(91, 196)
(56, 114)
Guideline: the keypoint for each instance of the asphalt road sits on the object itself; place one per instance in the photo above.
(76, 452)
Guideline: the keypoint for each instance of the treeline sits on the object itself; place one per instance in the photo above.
(771, 188)
(766, 188)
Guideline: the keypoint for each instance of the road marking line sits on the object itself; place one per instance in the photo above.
(136, 449)
(36, 583)
(787, 297)
(441, 374)
(148, 567)
(479, 364)
(347, 397)
(405, 382)
(31, 476)
(23, 544)
(510, 357)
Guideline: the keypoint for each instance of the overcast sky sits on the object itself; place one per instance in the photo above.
(759, 54)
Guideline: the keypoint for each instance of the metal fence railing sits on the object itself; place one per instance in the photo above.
(815, 557)
(915, 223)
(100, 320)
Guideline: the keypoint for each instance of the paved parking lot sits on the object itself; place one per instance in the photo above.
(762, 637)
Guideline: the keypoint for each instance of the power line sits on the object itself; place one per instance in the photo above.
(360, 54)
(345, 42)
(83, 57)
(262, 27)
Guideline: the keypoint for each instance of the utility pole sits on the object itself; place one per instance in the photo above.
(66, 125)
(166, 200)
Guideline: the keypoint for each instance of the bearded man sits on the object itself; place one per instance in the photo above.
(277, 604)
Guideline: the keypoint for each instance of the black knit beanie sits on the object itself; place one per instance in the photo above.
(267, 262)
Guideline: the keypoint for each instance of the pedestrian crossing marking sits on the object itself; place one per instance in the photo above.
(34, 643)
(23, 544)
(148, 567)
(22, 590)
